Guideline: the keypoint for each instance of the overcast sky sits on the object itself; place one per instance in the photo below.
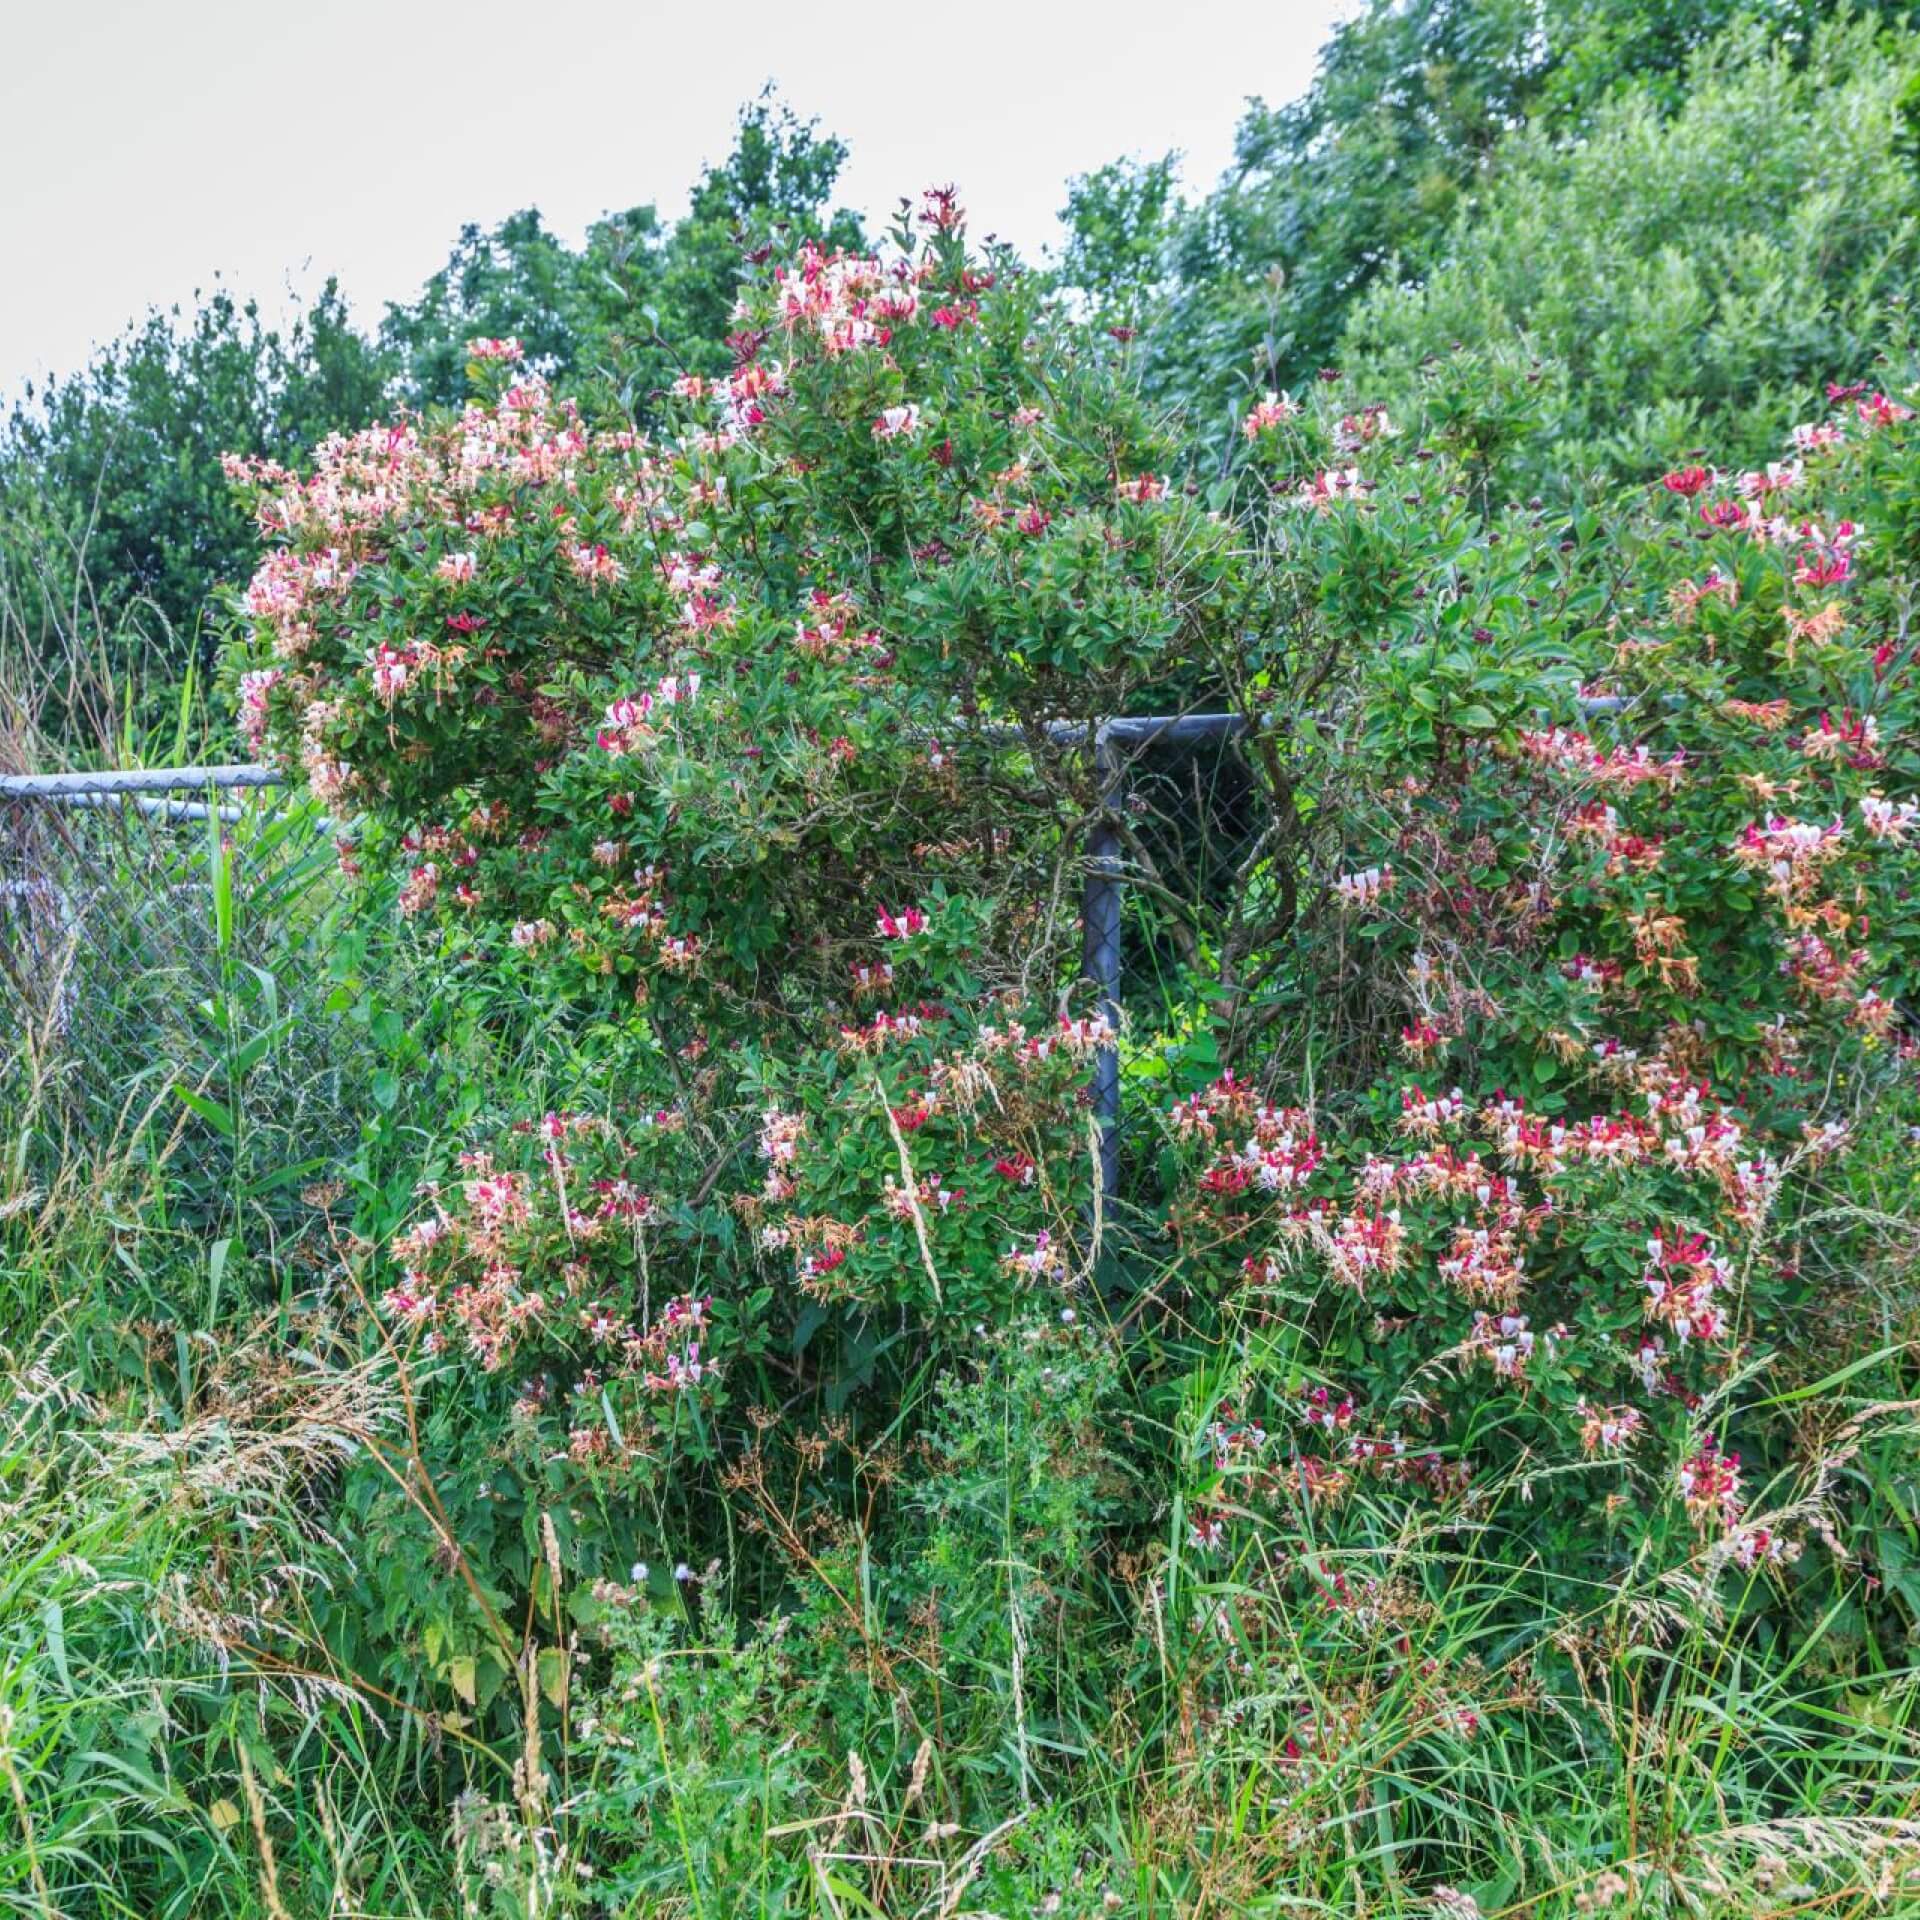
(147, 146)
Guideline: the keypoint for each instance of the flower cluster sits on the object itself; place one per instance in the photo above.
(1651, 943)
(538, 1264)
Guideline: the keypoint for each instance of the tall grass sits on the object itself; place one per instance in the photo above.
(168, 1084)
(205, 1063)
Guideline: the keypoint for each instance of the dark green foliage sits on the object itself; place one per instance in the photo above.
(115, 517)
(1382, 171)
(1679, 278)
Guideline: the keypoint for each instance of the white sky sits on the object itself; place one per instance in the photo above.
(148, 145)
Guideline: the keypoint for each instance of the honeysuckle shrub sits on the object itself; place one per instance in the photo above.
(761, 753)
(1588, 1209)
(1515, 1170)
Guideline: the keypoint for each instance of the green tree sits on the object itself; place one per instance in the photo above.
(1656, 304)
(1415, 116)
(604, 313)
(1120, 220)
(115, 516)
(522, 280)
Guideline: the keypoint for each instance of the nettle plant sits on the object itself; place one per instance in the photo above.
(1629, 877)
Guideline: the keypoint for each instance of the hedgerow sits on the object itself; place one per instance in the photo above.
(816, 1449)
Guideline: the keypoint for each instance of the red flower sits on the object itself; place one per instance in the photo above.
(1688, 480)
(1823, 570)
(940, 209)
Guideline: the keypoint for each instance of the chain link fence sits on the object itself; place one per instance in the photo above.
(162, 936)
(160, 958)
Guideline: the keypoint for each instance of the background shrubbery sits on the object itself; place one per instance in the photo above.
(1663, 306)
(669, 1420)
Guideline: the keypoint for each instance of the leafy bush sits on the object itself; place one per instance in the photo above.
(1531, 1084)
(1440, 141)
(1648, 963)
(1664, 313)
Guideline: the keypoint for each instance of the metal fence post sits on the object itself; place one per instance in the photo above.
(1100, 902)
(1100, 922)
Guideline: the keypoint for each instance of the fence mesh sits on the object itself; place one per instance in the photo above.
(157, 955)
(162, 954)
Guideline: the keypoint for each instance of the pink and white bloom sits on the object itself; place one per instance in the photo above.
(1886, 819)
(1272, 411)
(1328, 489)
(254, 689)
(595, 564)
(391, 668)
(1362, 889)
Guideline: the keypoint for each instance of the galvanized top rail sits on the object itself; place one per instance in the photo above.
(57, 786)
(1144, 729)
(1147, 729)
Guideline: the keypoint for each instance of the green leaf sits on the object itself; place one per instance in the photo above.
(216, 1271)
(256, 1049)
(462, 1677)
(209, 1110)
